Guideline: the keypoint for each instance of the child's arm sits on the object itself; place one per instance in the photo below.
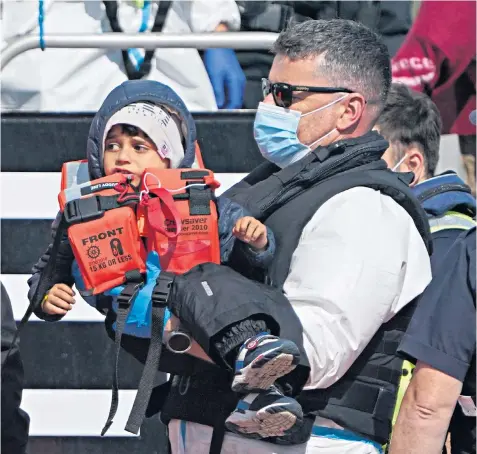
(233, 218)
(62, 275)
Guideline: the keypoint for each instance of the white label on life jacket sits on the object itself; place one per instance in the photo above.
(468, 406)
(207, 288)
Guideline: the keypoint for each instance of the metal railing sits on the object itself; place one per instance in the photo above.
(232, 40)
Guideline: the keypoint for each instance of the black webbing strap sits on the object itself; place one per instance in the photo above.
(358, 395)
(89, 208)
(44, 283)
(382, 373)
(199, 201)
(111, 8)
(160, 296)
(125, 299)
(217, 438)
(194, 174)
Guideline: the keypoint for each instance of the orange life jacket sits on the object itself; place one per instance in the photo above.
(173, 211)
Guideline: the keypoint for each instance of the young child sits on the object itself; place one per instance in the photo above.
(150, 134)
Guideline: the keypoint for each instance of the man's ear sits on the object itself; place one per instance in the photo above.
(416, 164)
(352, 111)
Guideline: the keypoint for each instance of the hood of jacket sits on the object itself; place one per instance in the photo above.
(133, 91)
(445, 192)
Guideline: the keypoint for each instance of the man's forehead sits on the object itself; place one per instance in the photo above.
(297, 71)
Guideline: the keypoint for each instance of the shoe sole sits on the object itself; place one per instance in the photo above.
(262, 372)
(264, 424)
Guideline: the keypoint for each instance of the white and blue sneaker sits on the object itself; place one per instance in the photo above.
(261, 360)
(265, 414)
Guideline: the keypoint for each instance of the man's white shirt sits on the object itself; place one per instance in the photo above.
(359, 261)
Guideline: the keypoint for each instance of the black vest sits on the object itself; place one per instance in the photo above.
(363, 400)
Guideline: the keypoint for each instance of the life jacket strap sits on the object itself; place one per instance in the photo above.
(134, 283)
(90, 208)
(160, 298)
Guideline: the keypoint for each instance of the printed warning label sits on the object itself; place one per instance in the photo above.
(103, 263)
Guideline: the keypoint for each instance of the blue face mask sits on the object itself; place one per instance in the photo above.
(275, 131)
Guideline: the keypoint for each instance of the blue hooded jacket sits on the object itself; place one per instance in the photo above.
(438, 195)
(454, 195)
(154, 92)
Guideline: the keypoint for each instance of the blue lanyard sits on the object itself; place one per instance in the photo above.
(135, 56)
(146, 12)
(41, 17)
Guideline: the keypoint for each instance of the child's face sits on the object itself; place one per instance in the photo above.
(128, 150)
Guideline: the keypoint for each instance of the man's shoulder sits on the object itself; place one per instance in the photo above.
(366, 199)
(443, 240)
(365, 208)
(470, 240)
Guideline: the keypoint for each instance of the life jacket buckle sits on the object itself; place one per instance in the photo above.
(160, 293)
(125, 297)
(82, 210)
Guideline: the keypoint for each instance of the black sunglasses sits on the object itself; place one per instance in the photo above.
(283, 93)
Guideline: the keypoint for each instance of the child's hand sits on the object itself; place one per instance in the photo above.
(59, 300)
(251, 231)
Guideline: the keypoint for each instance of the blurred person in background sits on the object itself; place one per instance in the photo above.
(15, 422)
(390, 19)
(72, 80)
(438, 58)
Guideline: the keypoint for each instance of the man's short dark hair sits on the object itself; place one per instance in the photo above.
(411, 118)
(354, 57)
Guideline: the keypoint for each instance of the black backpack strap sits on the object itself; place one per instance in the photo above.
(217, 440)
(111, 8)
(160, 297)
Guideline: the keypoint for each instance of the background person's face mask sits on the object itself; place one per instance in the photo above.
(275, 131)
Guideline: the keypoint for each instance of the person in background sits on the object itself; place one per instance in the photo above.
(15, 421)
(438, 58)
(77, 80)
(411, 123)
(391, 20)
(441, 337)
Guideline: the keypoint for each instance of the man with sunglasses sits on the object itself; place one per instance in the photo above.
(352, 249)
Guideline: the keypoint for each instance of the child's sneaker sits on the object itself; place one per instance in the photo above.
(261, 360)
(265, 414)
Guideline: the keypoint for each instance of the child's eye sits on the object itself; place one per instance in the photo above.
(112, 146)
(141, 148)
